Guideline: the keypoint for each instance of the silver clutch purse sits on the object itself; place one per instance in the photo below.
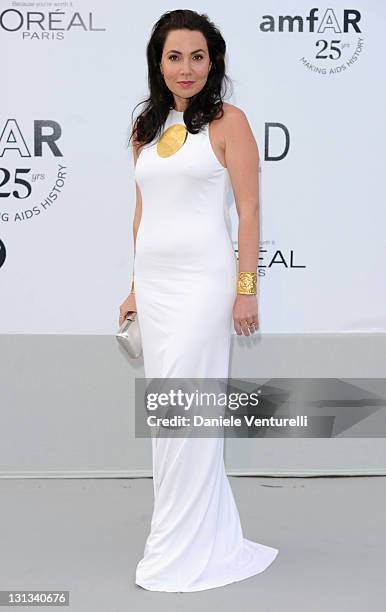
(129, 335)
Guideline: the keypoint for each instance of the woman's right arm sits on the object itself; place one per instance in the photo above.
(129, 304)
(138, 199)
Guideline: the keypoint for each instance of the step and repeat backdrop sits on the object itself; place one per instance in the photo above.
(310, 80)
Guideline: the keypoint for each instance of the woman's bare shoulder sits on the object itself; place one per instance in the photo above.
(236, 121)
(232, 111)
(232, 116)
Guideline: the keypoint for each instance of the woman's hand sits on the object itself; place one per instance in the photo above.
(245, 312)
(127, 306)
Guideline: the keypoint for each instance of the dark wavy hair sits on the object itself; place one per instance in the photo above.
(203, 107)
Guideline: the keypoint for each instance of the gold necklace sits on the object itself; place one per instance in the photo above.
(172, 139)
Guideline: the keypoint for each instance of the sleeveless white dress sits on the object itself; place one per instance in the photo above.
(185, 272)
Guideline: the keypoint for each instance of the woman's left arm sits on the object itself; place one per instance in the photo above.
(242, 160)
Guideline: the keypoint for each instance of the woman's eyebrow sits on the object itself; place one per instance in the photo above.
(175, 51)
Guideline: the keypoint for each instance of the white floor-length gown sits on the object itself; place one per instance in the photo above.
(185, 272)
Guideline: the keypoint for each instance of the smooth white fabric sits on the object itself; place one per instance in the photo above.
(185, 272)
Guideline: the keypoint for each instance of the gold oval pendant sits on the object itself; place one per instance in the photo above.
(171, 140)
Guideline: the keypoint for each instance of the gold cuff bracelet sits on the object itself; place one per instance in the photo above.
(246, 284)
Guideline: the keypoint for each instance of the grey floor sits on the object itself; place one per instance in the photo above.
(86, 536)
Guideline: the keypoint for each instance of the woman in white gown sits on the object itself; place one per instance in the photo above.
(187, 291)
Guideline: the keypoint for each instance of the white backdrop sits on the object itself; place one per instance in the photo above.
(72, 73)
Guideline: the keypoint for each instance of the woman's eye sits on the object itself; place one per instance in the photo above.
(198, 55)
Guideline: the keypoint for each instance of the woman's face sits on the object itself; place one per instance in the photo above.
(185, 57)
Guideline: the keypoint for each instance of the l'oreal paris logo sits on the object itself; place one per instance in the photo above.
(270, 256)
(44, 25)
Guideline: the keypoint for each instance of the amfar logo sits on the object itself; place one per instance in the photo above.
(26, 192)
(52, 25)
(338, 43)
